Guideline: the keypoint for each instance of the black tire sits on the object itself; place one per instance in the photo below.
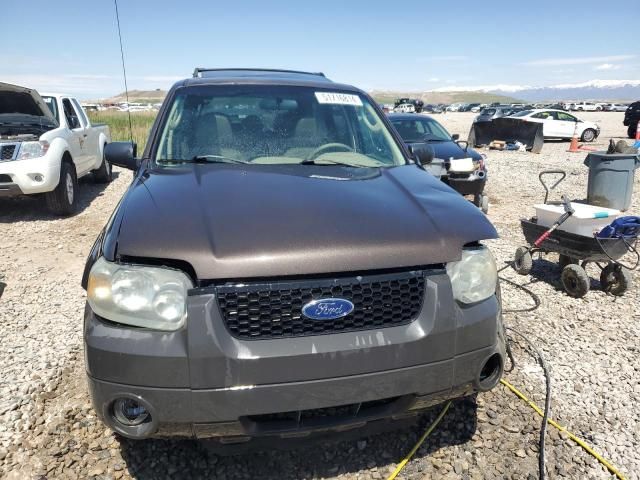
(615, 279)
(103, 174)
(564, 260)
(64, 199)
(589, 135)
(522, 261)
(575, 281)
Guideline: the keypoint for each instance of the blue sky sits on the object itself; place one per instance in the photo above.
(72, 45)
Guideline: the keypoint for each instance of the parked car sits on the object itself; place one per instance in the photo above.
(489, 113)
(631, 118)
(46, 144)
(560, 124)
(259, 276)
(465, 168)
(477, 107)
(405, 108)
(614, 107)
(584, 107)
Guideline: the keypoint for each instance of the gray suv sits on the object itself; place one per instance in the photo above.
(281, 266)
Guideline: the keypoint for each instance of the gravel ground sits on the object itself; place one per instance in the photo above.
(48, 429)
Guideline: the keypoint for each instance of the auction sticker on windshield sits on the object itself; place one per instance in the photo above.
(338, 98)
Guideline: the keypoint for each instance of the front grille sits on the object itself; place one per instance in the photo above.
(318, 417)
(7, 151)
(274, 310)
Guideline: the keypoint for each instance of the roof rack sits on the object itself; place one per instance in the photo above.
(199, 70)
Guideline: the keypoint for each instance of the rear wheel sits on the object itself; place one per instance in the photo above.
(589, 135)
(522, 261)
(63, 200)
(575, 281)
(615, 279)
(103, 173)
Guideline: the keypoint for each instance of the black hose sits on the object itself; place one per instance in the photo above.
(541, 361)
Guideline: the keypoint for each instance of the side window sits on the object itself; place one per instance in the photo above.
(566, 117)
(544, 115)
(70, 114)
(80, 111)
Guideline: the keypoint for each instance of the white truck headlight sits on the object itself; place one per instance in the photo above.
(474, 277)
(32, 150)
(150, 297)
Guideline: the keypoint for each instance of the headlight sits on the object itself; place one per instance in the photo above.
(474, 277)
(151, 297)
(32, 150)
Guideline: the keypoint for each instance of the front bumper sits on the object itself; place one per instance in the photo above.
(36, 175)
(202, 382)
(471, 184)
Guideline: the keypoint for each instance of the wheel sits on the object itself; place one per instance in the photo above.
(575, 280)
(103, 174)
(598, 108)
(589, 135)
(615, 279)
(564, 260)
(522, 262)
(484, 204)
(63, 200)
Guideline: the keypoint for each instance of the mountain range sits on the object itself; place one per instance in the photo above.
(612, 90)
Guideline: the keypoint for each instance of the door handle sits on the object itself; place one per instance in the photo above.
(85, 135)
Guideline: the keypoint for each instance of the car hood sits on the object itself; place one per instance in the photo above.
(23, 105)
(234, 222)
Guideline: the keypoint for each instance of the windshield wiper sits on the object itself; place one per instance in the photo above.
(333, 162)
(203, 159)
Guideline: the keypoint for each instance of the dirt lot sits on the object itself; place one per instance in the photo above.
(48, 429)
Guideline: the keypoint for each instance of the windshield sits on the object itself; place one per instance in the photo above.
(488, 111)
(53, 106)
(420, 129)
(265, 124)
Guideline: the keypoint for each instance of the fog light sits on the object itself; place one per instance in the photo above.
(38, 178)
(129, 412)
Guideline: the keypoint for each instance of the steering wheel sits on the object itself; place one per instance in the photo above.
(327, 147)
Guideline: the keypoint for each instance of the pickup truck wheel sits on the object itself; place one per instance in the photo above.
(63, 200)
(103, 174)
(589, 135)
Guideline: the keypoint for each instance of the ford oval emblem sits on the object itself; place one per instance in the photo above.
(327, 309)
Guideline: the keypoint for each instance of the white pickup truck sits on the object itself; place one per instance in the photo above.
(46, 144)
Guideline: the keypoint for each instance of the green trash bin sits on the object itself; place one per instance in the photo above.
(611, 179)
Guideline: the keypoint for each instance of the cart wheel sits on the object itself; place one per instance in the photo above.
(564, 260)
(522, 262)
(484, 204)
(615, 279)
(575, 280)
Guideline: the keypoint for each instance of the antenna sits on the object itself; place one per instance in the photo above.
(124, 71)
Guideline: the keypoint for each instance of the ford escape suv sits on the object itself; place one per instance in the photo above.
(282, 265)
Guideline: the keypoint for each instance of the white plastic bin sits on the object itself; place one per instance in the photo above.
(587, 219)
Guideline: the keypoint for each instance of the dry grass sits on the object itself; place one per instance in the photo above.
(119, 125)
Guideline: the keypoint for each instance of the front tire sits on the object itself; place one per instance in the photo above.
(103, 174)
(589, 135)
(522, 261)
(575, 281)
(64, 199)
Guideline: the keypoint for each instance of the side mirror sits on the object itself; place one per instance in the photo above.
(423, 153)
(466, 144)
(455, 137)
(122, 154)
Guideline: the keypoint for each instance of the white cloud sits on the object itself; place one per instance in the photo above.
(607, 66)
(434, 79)
(546, 62)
